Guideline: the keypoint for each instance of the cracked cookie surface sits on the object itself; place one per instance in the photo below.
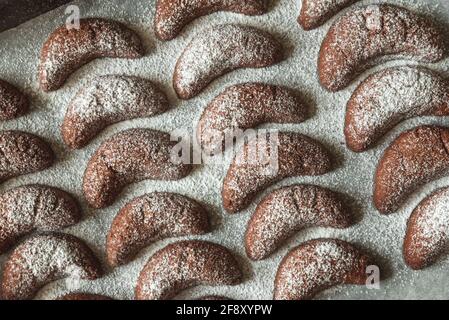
(34, 207)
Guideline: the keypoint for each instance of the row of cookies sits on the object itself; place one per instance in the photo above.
(386, 98)
(189, 78)
(180, 265)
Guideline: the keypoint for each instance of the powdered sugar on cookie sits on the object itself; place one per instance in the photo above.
(185, 264)
(246, 106)
(317, 265)
(46, 258)
(27, 208)
(107, 100)
(364, 34)
(316, 12)
(150, 218)
(219, 50)
(172, 15)
(288, 210)
(427, 235)
(391, 96)
(68, 49)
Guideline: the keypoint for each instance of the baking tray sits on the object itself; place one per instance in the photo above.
(382, 235)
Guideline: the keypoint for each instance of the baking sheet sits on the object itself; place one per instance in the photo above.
(19, 52)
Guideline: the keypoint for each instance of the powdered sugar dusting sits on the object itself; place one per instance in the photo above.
(172, 16)
(371, 32)
(220, 49)
(430, 223)
(117, 96)
(288, 210)
(316, 265)
(416, 157)
(27, 208)
(107, 100)
(391, 96)
(353, 176)
(43, 259)
(295, 155)
(68, 49)
(150, 218)
(184, 264)
(246, 106)
(316, 12)
(13, 103)
(130, 156)
(319, 8)
(22, 153)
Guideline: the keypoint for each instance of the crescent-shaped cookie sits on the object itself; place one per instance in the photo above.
(173, 15)
(128, 157)
(317, 265)
(13, 103)
(295, 155)
(245, 106)
(34, 207)
(23, 153)
(107, 100)
(186, 264)
(314, 13)
(416, 157)
(46, 258)
(66, 50)
(390, 96)
(153, 217)
(84, 297)
(427, 235)
(371, 32)
(286, 211)
(219, 50)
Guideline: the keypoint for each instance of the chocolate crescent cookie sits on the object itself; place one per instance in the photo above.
(288, 210)
(367, 33)
(427, 235)
(66, 50)
(153, 217)
(34, 207)
(185, 264)
(317, 265)
(416, 157)
(13, 103)
(23, 153)
(128, 157)
(43, 259)
(107, 100)
(246, 106)
(260, 164)
(221, 49)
